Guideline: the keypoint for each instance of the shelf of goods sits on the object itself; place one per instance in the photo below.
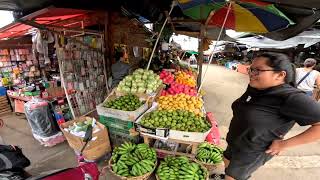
(20, 59)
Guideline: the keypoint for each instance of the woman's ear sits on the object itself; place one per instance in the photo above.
(282, 75)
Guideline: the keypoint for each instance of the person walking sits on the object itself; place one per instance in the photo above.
(307, 78)
(265, 113)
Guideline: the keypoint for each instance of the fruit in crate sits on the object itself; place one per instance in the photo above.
(209, 153)
(176, 120)
(141, 81)
(167, 77)
(180, 168)
(125, 103)
(185, 79)
(131, 160)
(181, 101)
(176, 88)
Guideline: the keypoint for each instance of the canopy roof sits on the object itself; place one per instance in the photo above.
(303, 13)
(49, 16)
(307, 38)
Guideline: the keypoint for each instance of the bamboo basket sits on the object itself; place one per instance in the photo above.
(201, 165)
(143, 177)
(209, 166)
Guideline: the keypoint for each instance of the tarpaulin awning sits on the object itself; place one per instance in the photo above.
(49, 16)
(308, 38)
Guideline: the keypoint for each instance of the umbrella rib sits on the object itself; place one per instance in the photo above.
(215, 46)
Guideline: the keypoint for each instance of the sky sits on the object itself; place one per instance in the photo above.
(6, 18)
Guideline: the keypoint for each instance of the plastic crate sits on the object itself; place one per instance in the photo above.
(111, 122)
(119, 131)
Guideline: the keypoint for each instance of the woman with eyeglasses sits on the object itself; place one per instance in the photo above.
(265, 113)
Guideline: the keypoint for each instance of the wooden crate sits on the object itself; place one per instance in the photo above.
(4, 105)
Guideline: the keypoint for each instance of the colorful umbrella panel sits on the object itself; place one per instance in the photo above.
(242, 16)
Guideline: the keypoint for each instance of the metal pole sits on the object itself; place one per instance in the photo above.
(200, 58)
(201, 48)
(211, 57)
(155, 45)
(183, 55)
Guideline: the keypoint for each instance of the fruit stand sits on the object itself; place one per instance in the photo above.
(168, 113)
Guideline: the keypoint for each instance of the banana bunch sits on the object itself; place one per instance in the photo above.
(126, 148)
(180, 168)
(209, 153)
(130, 160)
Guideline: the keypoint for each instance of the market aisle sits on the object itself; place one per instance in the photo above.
(222, 87)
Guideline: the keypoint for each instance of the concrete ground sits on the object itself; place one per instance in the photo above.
(222, 87)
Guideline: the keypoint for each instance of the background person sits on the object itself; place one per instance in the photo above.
(119, 69)
(307, 77)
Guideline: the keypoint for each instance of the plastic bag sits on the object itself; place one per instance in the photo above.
(50, 141)
(214, 135)
(39, 118)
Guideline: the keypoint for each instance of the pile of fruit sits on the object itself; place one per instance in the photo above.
(180, 168)
(176, 120)
(131, 160)
(176, 88)
(167, 77)
(181, 101)
(185, 79)
(209, 153)
(125, 103)
(141, 81)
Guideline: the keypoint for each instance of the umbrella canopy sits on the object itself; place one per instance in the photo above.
(243, 16)
(199, 9)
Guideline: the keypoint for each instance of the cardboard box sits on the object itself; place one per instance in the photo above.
(119, 114)
(98, 146)
(169, 133)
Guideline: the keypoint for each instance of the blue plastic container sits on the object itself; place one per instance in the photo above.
(3, 91)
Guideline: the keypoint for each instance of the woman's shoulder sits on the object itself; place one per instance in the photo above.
(315, 72)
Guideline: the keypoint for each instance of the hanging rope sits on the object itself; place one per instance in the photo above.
(159, 35)
(215, 46)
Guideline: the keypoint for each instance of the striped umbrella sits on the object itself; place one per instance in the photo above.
(243, 15)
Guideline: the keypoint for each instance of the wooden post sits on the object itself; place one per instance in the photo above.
(200, 57)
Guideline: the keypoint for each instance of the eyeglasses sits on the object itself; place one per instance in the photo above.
(256, 72)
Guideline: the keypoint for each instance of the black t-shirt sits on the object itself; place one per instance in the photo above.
(261, 116)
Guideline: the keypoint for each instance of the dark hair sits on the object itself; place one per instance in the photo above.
(281, 62)
(118, 55)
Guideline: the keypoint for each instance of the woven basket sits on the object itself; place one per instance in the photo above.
(143, 177)
(209, 166)
(207, 178)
